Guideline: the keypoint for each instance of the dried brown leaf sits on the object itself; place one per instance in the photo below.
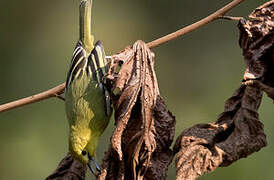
(236, 134)
(256, 40)
(140, 143)
(69, 169)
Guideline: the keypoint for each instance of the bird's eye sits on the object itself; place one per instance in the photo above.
(84, 153)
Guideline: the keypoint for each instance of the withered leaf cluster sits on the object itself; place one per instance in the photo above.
(238, 132)
(140, 145)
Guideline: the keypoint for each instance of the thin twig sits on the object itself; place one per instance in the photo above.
(194, 26)
(35, 98)
(232, 18)
(60, 88)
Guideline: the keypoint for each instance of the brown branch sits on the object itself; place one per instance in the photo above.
(55, 92)
(195, 26)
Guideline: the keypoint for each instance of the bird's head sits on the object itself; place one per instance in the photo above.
(83, 152)
(78, 144)
(82, 157)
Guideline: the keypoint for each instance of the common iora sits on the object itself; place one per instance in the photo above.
(88, 105)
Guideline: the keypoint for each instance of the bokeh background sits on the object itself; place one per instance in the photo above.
(196, 74)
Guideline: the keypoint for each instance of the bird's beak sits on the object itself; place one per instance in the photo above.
(90, 161)
(90, 166)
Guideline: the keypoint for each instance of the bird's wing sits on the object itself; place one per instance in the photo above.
(78, 64)
(98, 60)
(93, 65)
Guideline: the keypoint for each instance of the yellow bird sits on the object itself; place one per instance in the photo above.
(88, 105)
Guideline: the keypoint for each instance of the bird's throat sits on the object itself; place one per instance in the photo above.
(85, 25)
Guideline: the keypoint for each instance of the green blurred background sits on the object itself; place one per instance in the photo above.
(196, 74)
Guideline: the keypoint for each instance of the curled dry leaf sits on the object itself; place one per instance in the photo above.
(69, 169)
(256, 40)
(238, 132)
(144, 127)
